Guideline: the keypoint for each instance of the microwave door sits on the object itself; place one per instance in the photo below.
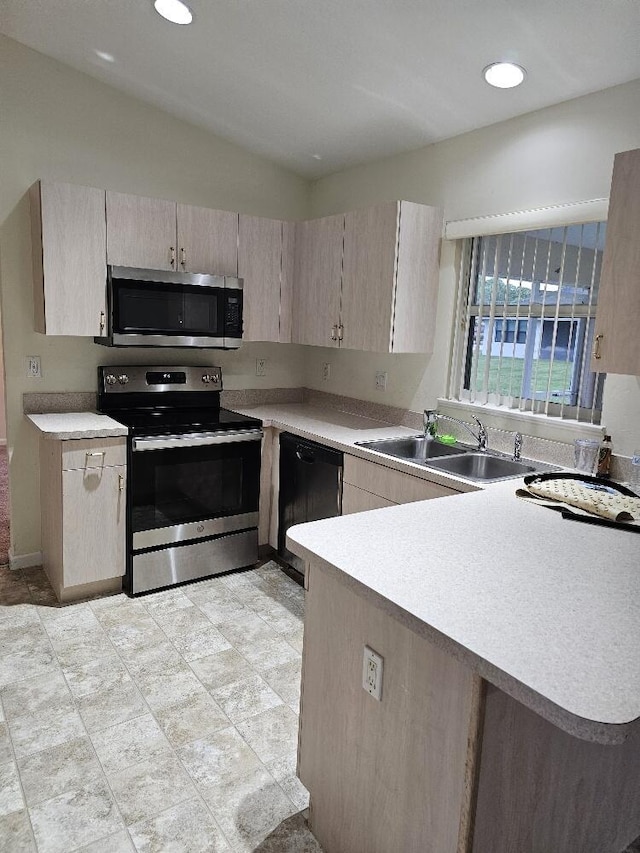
(161, 314)
(147, 310)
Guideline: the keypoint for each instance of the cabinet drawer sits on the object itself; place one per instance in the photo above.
(93, 453)
(388, 483)
(357, 500)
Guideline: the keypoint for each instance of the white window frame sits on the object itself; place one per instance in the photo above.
(534, 423)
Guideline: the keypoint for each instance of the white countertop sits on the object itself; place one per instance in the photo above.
(546, 609)
(342, 430)
(76, 425)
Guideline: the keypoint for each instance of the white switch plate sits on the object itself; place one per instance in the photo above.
(261, 366)
(326, 370)
(381, 381)
(372, 664)
(33, 367)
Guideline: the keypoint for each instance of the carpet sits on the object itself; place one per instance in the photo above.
(4, 507)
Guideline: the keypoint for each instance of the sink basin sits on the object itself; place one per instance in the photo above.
(414, 448)
(485, 467)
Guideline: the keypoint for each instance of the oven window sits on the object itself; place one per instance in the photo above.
(182, 485)
(166, 309)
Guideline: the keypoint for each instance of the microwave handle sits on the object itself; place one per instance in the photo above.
(195, 439)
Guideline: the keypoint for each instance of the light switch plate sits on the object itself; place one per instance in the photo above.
(381, 381)
(261, 366)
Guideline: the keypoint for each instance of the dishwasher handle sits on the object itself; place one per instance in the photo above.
(305, 456)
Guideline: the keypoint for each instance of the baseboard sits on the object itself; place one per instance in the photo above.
(25, 561)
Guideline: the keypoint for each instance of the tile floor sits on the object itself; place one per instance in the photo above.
(164, 723)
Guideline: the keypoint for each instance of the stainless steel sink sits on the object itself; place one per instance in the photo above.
(414, 448)
(486, 467)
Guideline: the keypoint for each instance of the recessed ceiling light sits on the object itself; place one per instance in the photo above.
(503, 75)
(317, 156)
(106, 57)
(174, 11)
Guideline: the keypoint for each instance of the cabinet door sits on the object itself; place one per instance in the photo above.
(316, 298)
(69, 250)
(417, 278)
(207, 240)
(368, 279)
(260, 266)
(287, 282)
(93, 524)
(394, 486)
(141, 232)
(617, 344)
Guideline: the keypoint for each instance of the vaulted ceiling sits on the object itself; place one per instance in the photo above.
(318, 86)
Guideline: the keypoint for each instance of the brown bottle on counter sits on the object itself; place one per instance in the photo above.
(604, 456)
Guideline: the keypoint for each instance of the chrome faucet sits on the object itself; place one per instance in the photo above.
(430, 420)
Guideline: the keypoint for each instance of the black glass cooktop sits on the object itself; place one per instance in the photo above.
(160, 421)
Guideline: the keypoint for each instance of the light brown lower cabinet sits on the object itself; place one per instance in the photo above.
(445, 762)
(83, 506)
(368, 485)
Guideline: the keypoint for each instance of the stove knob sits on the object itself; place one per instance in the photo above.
(123, 379)
(110, 379)
(206, 378)
(215, 378)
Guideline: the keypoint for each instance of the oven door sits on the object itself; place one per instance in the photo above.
(192, 486)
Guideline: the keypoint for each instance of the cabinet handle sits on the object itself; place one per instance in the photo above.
(102, 322)
(183, 258)
(120, 483)
(340, 332)
(172, 256)
(95, 453)
(596, 348)
(334, 333)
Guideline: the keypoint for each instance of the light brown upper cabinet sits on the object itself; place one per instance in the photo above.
(141, 232)
(207, 240)
(69, 259)
(153, 233)
(371, 285)
(617, 342)
(318, 279)
(265, 263)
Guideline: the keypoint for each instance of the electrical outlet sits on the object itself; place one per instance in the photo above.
(381, 381)
(261, 366)
(372, 665)
(33, 367)
(326, 371)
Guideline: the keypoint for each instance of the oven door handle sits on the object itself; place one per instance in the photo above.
(196, 439)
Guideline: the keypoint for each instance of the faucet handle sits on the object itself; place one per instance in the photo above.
(517, 446)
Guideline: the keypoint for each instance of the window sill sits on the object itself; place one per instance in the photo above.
(540, 426)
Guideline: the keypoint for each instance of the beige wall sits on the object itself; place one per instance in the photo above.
(59, 124)
(558, 155)
(62, 125)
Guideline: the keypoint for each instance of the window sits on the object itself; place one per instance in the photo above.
(528, 307)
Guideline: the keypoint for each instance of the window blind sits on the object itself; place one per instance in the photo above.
(527, 310)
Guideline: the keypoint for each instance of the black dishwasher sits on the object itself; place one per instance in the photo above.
(310, 488)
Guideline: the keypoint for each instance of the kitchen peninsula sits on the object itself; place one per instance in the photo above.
(510, 710)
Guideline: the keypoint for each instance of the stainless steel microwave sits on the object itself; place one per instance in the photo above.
(158, 308)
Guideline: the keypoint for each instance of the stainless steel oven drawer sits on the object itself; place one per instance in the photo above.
(170, 566)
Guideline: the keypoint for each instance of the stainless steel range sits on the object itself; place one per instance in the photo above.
(193, 474)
